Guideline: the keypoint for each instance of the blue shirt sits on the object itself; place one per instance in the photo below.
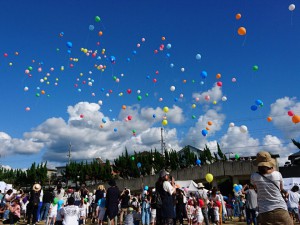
(101, 202)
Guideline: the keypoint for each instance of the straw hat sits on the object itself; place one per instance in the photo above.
(36, 187)
(264, 159)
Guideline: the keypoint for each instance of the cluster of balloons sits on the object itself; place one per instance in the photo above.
(258, 103)
(295, 118)
(204, 132)
(237, 188)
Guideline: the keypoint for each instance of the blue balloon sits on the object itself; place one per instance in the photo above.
(128, 59)
(168, 55)
(91, 27)
(69, 44)
(253, 107)
(259, 102)
(134, 52)
(139, 165)
(102, 89)
(103, 120)
(176, 99)
(115, 130)
(169, 46)
(69, 51)
(171, 65)
(204, 132)
(237, 188)
(98, 57)
(146, 188)
(112, 59)
(154, 116)
(148, 77)
(203, 74)
(198, 162)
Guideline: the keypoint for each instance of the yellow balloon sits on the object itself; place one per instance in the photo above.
(166, 109)
(209, 177)
(194, 106)
(164, 122)
(234, 185)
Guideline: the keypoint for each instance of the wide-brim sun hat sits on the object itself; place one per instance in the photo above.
(200, 185)
(36, 187)
(163, 173)
(264, 158)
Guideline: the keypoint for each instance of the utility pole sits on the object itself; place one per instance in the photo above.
(162, 143)
(69, 154)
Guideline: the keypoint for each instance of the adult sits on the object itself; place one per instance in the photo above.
(47, 199)
(269, 185)
(112, 201)
(99, 194)
(34, 200)
(202, 195)
(293, 202)
(77, 196)
(125, 198)
(59, 192)
(180, 205)
(145, 208)
(70, 213)
(251, 204)
(84, 191)
(166, 188)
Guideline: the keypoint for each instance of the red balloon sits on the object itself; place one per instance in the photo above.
(129, 117)
(5, 54)
(129, 91)
(290, 113)
(154, 80)
(81, 115)
(155, 51)
(219, 83)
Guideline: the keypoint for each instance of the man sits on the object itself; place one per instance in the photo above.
(47, 199)
(166, 189)
(70, 214)
(202, 194)
(251, 204)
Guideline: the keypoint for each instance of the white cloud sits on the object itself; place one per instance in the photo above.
(215, 94)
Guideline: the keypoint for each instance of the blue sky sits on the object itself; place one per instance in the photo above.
(208, 28)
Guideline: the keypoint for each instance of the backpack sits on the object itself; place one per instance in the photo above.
(156, 202)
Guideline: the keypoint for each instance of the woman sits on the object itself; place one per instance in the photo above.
(77, 196)
(112, 201)
(59, 192)
(99, 194)
(145, 208)
(125, 198)
(269, 185)
(293, 202)
(34, 200)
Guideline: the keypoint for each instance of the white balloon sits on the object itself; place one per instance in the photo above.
(243, 129)
(138, 91)
(292, 7)
(198, 56)
(26, 88)
(231, 125)
(181, 95)
(224, 98)
(172, 88)
(90, 83)
(182, 69)
(100, 102)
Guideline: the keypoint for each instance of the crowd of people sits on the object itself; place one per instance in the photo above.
(163, 204)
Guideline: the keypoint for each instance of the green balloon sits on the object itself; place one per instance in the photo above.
(139, 98)
(37, 94)
(193, 117)
(132, 158)
(97, 19)
(255, 67)
(55, 201)
(236, 156)
(29, 68)
(146, 94)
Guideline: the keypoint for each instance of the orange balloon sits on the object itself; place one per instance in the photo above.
(100, 33)
(209, 123)
(269, 119)
(43, 92)
(184, 81)
(123, 107)
(242, 31)
(218, 76)
(296, 118)
(207, 128)
(238, 16)
(163, 38)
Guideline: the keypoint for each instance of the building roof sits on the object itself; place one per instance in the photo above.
(295, 155)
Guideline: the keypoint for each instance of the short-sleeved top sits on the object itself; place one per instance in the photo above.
(251, 198)
(293, 200)
(168, 187)
(268, 196)
(70, 214)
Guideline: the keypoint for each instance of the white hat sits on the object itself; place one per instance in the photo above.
(36, 187)
(200, 185)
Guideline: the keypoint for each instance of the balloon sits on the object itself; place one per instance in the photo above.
(160, 99)
(243, 129)
(164, 122)
(290, 113)
(224, 98)
(27, 109)
(209, 123)
(113, 59)
(253, 107)
(198, 162)
(198, 56)
(269, 119)
(146, 188)
(132, 158)
(97, 19)
(139, 98)
(218, 76)
(236, 156)
(81, 115)
(233, 80)
(172, 88)
(169, 46)
(129, 117)
(296, 118)
(166, 109)
(193, 117)
(55, 201)
(259, 102)
(129, 91)
(207, 97)
(194, 106)
(209, 177)
(139, 165)
(237, 188)
(255, 67)
(154, 116)
(292, 7)
(182, 69)
(219, 84)
(115, 129)
(242, 31)
(91, 27)
(69, 44)
(204, 132)
(171, 65)
(26, 88)
(203, 74)
(231, 125)
(100, 102)
(238, 16)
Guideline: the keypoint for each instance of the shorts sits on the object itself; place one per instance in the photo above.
(153, 215)
(276, 216)
(101, 213)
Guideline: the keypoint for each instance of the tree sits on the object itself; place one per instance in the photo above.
(220, 153)
(296, 143)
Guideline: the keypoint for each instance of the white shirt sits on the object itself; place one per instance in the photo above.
(70, 215)
(293, 200)
(168, 187)
(268, 196)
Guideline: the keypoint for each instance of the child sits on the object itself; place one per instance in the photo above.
(52, 212)
(101, 209)
(83, 210)
(190, 209)
(198, 212)
(14, 212)
(24, 202)
(129, 220)
(60, 205)
(216, 206)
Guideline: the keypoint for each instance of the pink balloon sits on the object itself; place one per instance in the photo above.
(207, 97)
(290, 113)
(233, 79)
